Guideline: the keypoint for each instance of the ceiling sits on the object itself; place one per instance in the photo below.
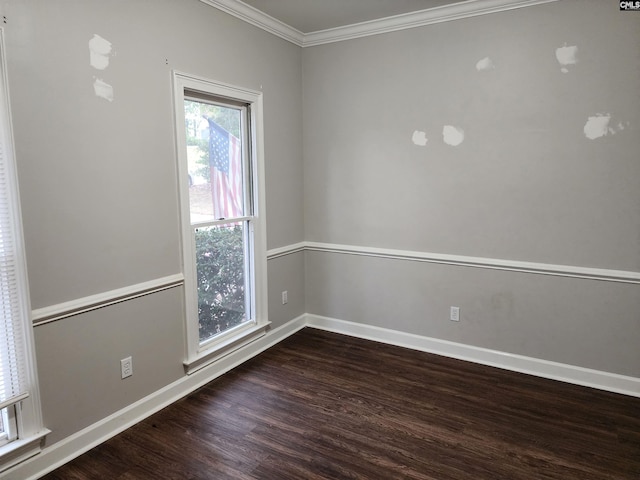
(309, 16)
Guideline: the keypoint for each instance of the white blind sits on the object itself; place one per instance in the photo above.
(13, 308)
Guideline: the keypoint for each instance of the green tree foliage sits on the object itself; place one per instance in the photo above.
(220, 272)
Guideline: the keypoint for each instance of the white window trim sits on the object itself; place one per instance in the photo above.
(199, 356)
(28, 414)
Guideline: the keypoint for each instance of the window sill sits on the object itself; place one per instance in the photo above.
(224, 348)
(20, 450)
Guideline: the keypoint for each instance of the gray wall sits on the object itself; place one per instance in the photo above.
(98, 181)
(99, 188)
(587, 323)
(526, 184)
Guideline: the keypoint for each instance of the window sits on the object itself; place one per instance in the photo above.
(20, 419)
(7, 427)
(220, 173)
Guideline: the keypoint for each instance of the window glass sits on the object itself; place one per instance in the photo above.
(216, 167)
(215, 164)
(220, 263)
(219, 135)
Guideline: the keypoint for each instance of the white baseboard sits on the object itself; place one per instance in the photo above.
(93, 435)
(73, 446)
(518, 363)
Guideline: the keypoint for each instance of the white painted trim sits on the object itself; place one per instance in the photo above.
(257, 254)
(233, 341)
(259, 19)
(286, 250)
(77, 444)
(621, 276)
(446, 13)
(28, 412)
(81, 305)
(19, 451)
(59, 311)
(518, 363)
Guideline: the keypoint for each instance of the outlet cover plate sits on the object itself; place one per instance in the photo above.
(126, 367)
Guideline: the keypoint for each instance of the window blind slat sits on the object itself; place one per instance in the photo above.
(13, 375)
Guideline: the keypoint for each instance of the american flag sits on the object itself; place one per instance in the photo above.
(225, 161)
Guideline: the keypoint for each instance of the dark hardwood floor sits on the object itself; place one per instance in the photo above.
(322, 405)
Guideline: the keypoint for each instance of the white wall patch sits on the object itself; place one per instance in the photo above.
(99, 51)
(597, 126)
(567, 55)
(485, 64)
(103, 90)
(419, 138)
(453, 136)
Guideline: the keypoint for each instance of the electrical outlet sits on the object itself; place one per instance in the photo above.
(285, 297)
(126, 367)
(454, 314)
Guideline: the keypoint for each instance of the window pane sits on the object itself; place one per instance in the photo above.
(5, 433)
(220, 265)
(214, 155)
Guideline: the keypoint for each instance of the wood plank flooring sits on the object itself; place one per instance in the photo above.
(325, 406)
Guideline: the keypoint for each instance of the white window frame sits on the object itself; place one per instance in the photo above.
(199, 355)
(25, 427)
(9, 432)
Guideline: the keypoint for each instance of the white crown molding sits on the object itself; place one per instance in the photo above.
(446, 13)
(259, 19)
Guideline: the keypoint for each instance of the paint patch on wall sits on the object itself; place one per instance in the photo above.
(103, 89)
(99, 51)
(453, 136)
(597, 126)
(419, 138)
(600, 125)
(567, 55)
(485, 64)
